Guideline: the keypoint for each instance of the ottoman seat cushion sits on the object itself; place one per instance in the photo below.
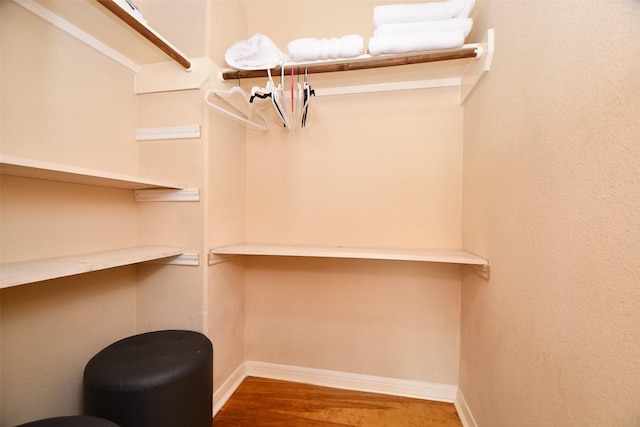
(155, 379)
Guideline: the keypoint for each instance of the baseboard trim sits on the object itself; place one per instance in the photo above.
(464, 412)
(351, 381)
(343, 380)
(224, 392)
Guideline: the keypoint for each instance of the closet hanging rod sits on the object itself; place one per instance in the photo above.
(147, 33)
(467, 51)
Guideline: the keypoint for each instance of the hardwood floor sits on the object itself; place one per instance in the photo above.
(260, 402)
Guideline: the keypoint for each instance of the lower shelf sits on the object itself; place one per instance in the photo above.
(452, 256)
(20, 273)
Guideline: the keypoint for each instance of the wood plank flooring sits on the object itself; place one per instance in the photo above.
(260, 402)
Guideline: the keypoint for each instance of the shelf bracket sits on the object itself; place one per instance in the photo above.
(219, 258)
(168, 195)
(476, 69)
(483, 271)
(187, 258)
(173, 132)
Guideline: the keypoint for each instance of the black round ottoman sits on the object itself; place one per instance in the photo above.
(77, 421)
(155, 379)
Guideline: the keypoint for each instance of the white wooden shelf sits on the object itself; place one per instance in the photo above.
(451, 256)
(107, 26)
(461, 67)
(20, 273)
(28, 168)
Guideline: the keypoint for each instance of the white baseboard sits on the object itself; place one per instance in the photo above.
(464, 412)
(350, 381)
(336, 379)
(224, 392)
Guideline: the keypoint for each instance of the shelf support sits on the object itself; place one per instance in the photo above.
(214, 259)
(483, 271)
(167, 195)
(187, 258)
(477, 69)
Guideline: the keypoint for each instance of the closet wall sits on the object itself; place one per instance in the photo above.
(552, 196)
(369, 170)
(226, 210)
(380, 170)
(58, 104)
(64, 102)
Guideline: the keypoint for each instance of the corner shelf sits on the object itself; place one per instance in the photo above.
(449, 256)
(24, 272)
(459, 67)
(28, 168)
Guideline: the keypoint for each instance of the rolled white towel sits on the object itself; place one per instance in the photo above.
(311, 49)
(421, 12)
(455, 24)
(256, 53)
(415, 43)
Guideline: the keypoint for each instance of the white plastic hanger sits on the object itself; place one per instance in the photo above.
(307, 93)
(276, 93)
(245, 106)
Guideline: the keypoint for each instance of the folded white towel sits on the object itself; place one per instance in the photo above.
(256, 53)
(310, 49)
(455, 24)
(421, 12)
(415, 43)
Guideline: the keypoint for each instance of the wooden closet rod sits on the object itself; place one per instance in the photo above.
(147, 33)
(359, 64)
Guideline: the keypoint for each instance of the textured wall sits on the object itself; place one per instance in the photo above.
(551, 197)
(385, 318)
(58, 99)
(381, 170)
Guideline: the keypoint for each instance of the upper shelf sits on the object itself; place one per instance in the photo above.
(363, 62)
(126, 38)
(461, 67)
(17, 166)
(109, 27)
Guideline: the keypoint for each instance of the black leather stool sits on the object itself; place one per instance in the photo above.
(155, 379)
(78, 421)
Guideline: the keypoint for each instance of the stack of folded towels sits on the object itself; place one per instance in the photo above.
(402, 28)
(399, 28)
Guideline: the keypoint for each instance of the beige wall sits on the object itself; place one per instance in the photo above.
(171, 297)
(58, 98)
(50, 330)
(226, 211)
(65, 103)
(551, 197)
(381, 170)
(384, 318)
